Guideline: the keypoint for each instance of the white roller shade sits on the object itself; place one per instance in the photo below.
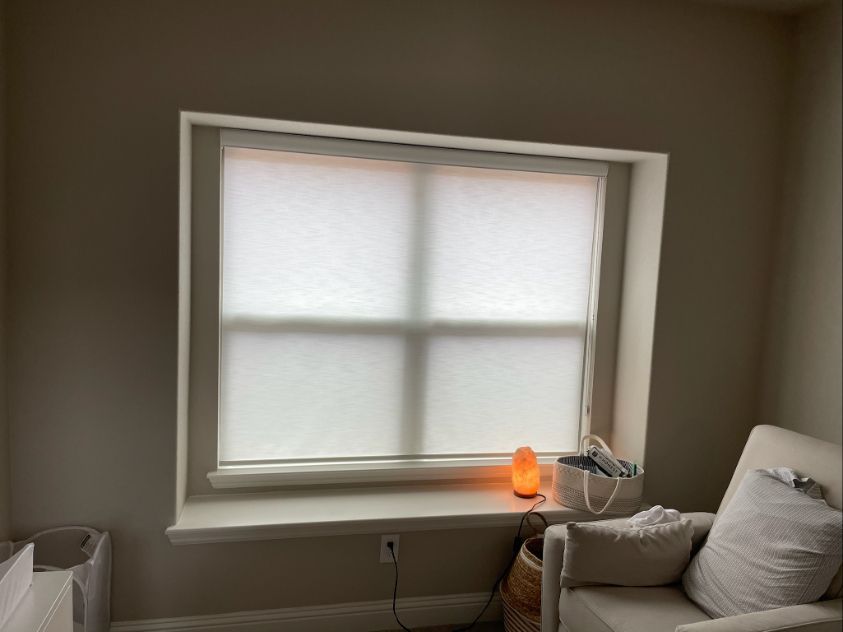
(377, 308)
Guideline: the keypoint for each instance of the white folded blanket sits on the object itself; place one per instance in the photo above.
(652, 516)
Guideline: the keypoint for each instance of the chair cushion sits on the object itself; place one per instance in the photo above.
(624, 609)
(772, 547)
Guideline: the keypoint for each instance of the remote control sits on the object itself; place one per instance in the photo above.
(606, 462)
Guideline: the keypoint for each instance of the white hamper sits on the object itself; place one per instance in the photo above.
(86, 553)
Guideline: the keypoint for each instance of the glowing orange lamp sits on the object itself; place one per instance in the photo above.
(525, 473)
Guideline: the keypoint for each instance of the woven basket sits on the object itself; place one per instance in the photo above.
(575, 485)
(521, 591)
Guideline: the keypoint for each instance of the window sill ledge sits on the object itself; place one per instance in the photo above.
(331, 512)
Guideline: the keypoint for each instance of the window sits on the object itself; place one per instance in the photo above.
(388, 305)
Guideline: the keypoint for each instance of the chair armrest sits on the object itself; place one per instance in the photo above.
(554, 550)
(822, 616)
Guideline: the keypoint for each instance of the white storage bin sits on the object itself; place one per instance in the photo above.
(86, 553)
(15, 580)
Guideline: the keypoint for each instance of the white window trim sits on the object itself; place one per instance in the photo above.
(228, 521)
(375, 472)
(421, 150)
(274, 515)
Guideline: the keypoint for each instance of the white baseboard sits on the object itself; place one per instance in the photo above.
(362, 616)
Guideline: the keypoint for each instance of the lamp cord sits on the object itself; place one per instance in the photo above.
(516, 547)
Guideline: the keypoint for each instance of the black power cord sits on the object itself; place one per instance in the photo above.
(391, 548)
(516, 547)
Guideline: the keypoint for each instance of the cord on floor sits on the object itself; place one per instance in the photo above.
(516, 547)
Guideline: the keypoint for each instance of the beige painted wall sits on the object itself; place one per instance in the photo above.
(92, 195)
(803, 368)
(5, 469)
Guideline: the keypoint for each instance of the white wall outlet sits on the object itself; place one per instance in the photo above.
(386, 556)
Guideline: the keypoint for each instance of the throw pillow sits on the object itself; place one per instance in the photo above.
(773, 546)
(630, 556)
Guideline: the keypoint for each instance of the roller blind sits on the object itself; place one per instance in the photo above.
(391, 309)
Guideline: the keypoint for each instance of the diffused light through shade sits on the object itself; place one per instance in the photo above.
(388, 309)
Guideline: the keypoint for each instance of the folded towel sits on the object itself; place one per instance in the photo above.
(652, 516)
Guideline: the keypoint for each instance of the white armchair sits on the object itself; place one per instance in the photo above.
(666, 608)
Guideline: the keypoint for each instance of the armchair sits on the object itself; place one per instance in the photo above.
(666, 608)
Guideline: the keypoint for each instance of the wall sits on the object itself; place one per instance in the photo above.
(92, 196)
(5, 471)
(803, 371)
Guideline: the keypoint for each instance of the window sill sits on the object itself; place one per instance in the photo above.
(331, 512)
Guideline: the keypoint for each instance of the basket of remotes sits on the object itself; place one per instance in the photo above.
(596, 481)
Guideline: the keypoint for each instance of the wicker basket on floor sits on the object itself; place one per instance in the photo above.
(521, 591)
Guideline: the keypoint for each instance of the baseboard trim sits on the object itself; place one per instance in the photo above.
(361, 616)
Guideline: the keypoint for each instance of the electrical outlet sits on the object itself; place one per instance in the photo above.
(386, 556)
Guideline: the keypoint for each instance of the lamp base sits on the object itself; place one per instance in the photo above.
(520, 495)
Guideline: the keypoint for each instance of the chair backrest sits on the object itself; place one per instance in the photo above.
(771, 446)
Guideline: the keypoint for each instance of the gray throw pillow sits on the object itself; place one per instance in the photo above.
(625, 556)
(773, 546)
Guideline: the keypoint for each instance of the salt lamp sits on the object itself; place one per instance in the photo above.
(525, 473)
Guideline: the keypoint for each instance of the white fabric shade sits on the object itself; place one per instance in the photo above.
(387, 309)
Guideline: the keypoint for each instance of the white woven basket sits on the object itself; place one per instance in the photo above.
(575, 485)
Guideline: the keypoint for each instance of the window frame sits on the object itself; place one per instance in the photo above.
(467, 467)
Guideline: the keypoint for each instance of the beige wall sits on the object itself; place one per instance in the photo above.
(5, 470)
(803, 368)
(92, 194)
